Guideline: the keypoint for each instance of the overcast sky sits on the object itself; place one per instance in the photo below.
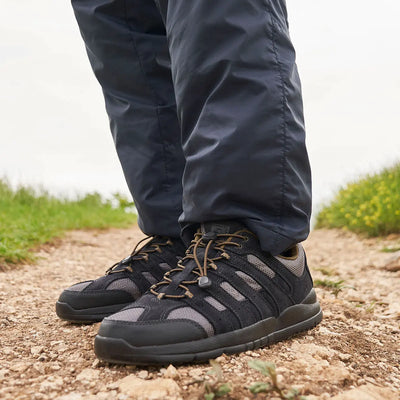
(55, 131)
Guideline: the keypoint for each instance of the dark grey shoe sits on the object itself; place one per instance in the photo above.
(225, 296)
(123, 283)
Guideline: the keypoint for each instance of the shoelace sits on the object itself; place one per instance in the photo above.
(209, 241)
(140, 253)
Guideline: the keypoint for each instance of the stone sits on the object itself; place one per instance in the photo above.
(3, 373)
(367, 392)
(19, 366)
(143, 374)
(87, 375)
(171, 373)
(36, 350)
(196, 373)
(336, 374)
(51, 384)
(156, 389)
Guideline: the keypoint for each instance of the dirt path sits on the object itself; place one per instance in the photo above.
(353, 354)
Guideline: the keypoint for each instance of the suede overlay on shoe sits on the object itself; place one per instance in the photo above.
(225, 296)
(123, 283)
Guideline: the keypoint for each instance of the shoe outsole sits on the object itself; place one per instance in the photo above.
(86, 315)
(293, 320)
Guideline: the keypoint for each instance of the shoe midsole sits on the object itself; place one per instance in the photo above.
(309, 309)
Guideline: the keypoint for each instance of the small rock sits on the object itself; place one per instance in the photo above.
(344, 357)
(19, 367)
(3, 373)
(171, 373)
(7, 351)
(143, 374)
(157, 389)
(96, 363)
(87, 375)
(36, 350)
(367, 392)
(49, 385)
(337, 374)
(196, 373)
(39, 367)
(113, 385)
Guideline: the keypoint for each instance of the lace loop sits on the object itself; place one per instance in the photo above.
(140, 253)
(207, 241)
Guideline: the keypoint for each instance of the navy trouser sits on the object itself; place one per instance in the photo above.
(205, 108)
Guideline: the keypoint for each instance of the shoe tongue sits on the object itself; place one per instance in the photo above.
(225, 227)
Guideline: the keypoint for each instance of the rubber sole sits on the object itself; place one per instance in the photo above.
(86, 315)
(293, 320)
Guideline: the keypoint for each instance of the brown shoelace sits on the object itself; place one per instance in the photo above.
(139, 253)
(208, 241)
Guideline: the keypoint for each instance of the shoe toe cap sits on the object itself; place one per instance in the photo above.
(152, 333)
(94, 298)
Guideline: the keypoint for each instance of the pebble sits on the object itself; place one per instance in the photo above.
(367, 392)
(157, 389)
(171, 372)
(36, 350)
(51, 384)
(87, 375)
(143, 374)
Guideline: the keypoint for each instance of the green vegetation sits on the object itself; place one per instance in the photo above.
(216, 387)
(335, 286)
(390, 249)
(29, 218)
(268, 370)
(370, 205)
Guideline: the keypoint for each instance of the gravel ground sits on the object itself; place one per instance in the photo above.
(353, 354)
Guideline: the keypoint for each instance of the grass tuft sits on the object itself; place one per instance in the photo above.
(390, 249)
(272, 386)
(370, 206)
(216, 387)
(29, 218)
(335, 286)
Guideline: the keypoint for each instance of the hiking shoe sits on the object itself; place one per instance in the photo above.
(225, 296)
(124, 282)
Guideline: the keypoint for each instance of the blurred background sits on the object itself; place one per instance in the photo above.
(55, 129)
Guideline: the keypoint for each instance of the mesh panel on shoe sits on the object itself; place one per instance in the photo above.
(232, 291)
(260, 265)
(149, 277)
(249, 280)
(126, 285)
(78, 287)
(215, 303)
(296, 267)
(164, 266)
(129, 315)
(191, 314)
